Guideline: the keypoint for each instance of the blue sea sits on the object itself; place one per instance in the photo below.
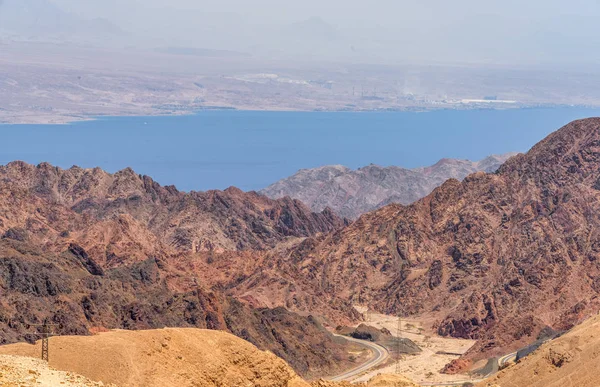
(250, 150)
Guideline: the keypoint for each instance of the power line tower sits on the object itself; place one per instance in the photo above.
(399, 344)
(45, 331)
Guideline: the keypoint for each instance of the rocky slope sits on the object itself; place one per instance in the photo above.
(569, 361)
(29, 372)
(163, 357)
(496, 257)
(72, 290)
(352, 193)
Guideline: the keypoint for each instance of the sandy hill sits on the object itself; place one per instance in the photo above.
(20, 371)
(167, 357)
(351, 193)
(176, 357)
(569, 361)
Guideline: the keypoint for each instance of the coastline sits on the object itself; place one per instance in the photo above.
(30, 118)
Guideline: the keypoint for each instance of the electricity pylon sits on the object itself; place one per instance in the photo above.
(45, 332)
(398, 344)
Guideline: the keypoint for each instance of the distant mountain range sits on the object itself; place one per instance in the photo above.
(351, 193)
(41, 20)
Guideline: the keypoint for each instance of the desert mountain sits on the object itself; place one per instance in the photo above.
(71, 290)
(126, 216)
(496, 257)
(91, 250)
(352, 193)
(570, 360)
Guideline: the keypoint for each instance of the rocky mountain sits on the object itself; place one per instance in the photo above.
(125, 216)
(41, 20)
(91, 250)
(496, 257)
(351, 193)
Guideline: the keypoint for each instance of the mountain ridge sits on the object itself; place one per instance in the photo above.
(351, 193)
(495, 258)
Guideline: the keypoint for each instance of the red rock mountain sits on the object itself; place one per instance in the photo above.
(92, 250)
(496, 257)
(124, 216)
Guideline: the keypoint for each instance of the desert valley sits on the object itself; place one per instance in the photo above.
(272, 193)
(449, 288)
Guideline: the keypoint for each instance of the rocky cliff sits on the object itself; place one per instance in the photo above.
(352, 193)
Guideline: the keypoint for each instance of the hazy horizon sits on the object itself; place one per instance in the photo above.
(386, 32)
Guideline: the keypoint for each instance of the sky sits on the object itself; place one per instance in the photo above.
(381, 31)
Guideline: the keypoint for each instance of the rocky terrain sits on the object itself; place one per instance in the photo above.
(74, 292)
(352, 193)
(496, 257)
(571, 360)
(127, 217)
(29, 372)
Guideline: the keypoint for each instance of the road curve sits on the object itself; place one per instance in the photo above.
(380, 354)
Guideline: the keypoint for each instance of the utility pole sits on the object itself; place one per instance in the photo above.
(398, 344)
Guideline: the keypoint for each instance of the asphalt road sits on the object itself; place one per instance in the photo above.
(380, 354)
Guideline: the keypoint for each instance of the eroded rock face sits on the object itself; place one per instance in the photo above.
(352, 193)
(496, 257)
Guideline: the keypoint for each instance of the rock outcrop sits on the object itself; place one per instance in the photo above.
(29, 372)
(351, 193)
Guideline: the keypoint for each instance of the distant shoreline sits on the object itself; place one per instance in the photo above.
(67, 119)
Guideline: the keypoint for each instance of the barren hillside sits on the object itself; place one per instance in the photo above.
(569, 361)
(165, 357)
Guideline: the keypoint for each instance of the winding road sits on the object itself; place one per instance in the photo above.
(380, 354)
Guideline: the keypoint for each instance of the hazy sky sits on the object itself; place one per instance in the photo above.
(508, 31)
